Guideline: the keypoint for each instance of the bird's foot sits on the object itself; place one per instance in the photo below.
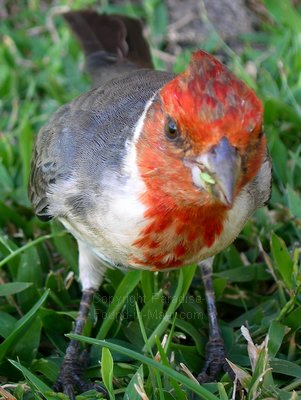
(71, 378)
(215, 362)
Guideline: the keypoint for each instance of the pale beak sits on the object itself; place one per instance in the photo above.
(217, 171)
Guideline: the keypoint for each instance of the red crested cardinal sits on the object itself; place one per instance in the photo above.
(149, 170)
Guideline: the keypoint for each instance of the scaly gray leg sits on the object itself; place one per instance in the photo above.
(215, 350)
(71, 374)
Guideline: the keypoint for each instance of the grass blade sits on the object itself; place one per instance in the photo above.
(21, 327)
(185, 278)
(107, 366)
(190, 384)
(127, 285)
(8, 289)
(34, 381)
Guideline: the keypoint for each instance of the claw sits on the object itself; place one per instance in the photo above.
(75, 362)
(68, 390)
(71, 378)
(215, 362)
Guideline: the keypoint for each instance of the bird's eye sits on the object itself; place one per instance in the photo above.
(172, 132)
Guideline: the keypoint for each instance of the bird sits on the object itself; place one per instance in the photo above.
(148, 169)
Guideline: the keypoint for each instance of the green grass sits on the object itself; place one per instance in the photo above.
(256, 280)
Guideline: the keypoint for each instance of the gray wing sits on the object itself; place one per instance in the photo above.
(87, 136)
(47, 164)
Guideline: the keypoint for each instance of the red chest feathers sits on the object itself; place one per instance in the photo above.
(174, 237)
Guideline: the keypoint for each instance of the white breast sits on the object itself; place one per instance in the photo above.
(118, 216)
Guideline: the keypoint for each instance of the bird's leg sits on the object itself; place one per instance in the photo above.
(75, 361)
(215, 350)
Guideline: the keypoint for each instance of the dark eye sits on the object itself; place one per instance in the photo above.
(172, 132)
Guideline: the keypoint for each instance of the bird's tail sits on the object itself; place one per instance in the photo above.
(112, 44)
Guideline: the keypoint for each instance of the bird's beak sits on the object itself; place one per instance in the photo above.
(217, 171)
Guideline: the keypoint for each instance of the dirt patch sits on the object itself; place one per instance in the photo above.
(194, 22)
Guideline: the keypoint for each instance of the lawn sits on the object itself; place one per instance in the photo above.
(148, 316)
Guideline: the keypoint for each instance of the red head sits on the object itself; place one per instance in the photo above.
(201, 143)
